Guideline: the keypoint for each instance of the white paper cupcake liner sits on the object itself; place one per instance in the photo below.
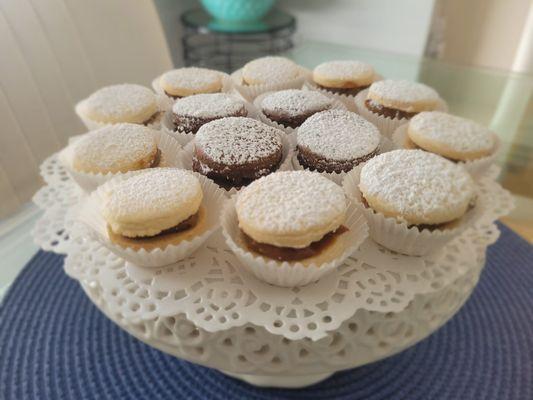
(227, 86)
(170, 157)
(90, 215)
(298, 273)
(285, 165)
(476, 168)
(167, 123)
(337, 177)
(250, 92)
(398, 236)
(386, 125)
(162, 103)
(346, 99)
(337, 105)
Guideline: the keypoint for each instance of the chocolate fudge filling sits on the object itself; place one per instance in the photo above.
(235, 176)
(314, 162)
(387, 111)
(347, 91)
(188, 124)
(289, 253)
(291, 122)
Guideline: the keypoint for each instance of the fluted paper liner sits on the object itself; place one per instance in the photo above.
(386, 125)
(398, 236)
(250, 92)
(170, 157)
(227, 86)
(476, 168)
(337, 177)
(162, 102)
(346, 99)
(296, 273)
(167, 124)
(90, 214)
(337, 105)
(285, 165)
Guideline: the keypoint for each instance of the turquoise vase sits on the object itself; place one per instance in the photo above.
(238, 10)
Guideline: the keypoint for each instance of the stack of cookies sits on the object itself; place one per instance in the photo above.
(164, 169)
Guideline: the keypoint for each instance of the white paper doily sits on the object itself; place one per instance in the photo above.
(215, 293)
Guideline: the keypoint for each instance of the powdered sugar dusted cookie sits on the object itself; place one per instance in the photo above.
(336, 141)
(151, 203)
(401, 99)
(416, 187)
(291, 209)
(184, 82)
(191, 112)
(292, 107)
(344, 77)
(450, 136)
(235, 151)
(116, 148)
(270, 70)
(120, 103)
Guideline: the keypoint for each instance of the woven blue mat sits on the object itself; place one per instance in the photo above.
(54, 344)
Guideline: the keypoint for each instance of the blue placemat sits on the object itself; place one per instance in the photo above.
(54, 344)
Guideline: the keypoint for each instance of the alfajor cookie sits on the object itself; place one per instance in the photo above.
(417, 188)
(291, 215)
(269, 70)
(456, 138)
(400, 99)
(291, 107)
(190, 113)
(336, 141)
(235, 151)
(184, 82)
(120, 103)
(344, 77)
(116, 148)
(154, 208)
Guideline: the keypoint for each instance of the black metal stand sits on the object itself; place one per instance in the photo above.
(227, 46)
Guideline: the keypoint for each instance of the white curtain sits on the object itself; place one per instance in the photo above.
(54, 53)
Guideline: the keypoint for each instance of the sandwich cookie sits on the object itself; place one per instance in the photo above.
(344, 77)
(184, 82)
(456, 138)
(120, 103)
(291, 215)
(154, 209)
(269, 70)
(235, 151)
(116, 148)
(336, 141)
(191, 112)
(291, 107)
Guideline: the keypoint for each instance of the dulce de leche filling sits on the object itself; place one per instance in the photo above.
(182, 226)
(292, 254)
(387, 111)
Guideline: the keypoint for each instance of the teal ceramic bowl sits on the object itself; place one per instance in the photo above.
(238, 10)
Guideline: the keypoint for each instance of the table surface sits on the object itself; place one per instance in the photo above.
(55, 344)
(501, 100)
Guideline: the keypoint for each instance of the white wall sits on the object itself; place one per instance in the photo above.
(388, 25)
